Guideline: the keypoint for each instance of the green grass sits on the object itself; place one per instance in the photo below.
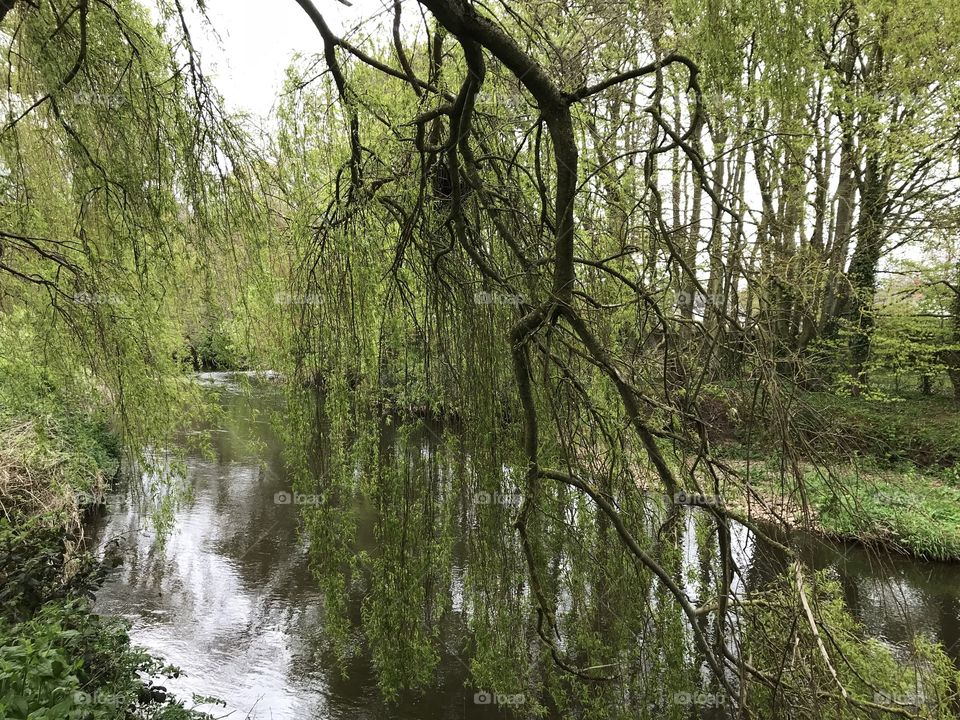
(922, 430)
(903, 509)
(882, 470)
(912, 512)
(888, 428)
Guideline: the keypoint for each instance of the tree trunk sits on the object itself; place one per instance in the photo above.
(845, 199)
(863, 270)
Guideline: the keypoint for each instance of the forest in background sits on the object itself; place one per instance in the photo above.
(704, 251)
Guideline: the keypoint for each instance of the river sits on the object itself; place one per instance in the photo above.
(229, 597)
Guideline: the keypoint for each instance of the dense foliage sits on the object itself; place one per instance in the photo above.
(584, 248)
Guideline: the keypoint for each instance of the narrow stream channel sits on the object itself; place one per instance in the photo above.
(229, 597)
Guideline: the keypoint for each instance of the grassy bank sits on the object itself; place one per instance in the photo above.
(58, 659)
(923, 431)
(881, 472)
(903, 510)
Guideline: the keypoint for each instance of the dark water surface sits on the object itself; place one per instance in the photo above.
(230, 600)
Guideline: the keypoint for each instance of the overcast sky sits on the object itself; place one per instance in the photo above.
(257, 41)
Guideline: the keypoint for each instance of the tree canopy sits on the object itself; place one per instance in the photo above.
(584, 239)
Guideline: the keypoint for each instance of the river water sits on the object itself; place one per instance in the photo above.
(229, 597)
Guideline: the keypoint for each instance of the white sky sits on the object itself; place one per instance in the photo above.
(257, 41)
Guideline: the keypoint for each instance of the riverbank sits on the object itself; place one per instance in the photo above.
(58, 659)
(881, 472)
(901, 510)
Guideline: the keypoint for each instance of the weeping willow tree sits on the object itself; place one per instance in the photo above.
(113, 160)
(465, 257)
(470, 228)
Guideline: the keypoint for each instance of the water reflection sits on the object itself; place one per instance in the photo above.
(893, 596)
(230, 599)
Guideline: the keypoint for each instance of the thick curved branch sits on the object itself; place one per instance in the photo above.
(587, 91)
(460, 19)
